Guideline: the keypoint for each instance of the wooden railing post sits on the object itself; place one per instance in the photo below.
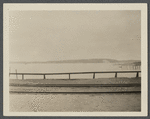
(22, 76)
(137, 75)
(44, 76)
(116, 75)
(69, 76)
(93, 75)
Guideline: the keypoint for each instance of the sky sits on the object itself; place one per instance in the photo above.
(66, 35)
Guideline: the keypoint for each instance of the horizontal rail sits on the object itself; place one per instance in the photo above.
(44, 74)
(74, 73)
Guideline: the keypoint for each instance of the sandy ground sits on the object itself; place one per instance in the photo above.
(76, 85)
(93, 95)
(20, 89)
(77, 82)
(99, 102)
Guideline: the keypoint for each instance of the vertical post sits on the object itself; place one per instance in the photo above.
(93, 75)
(9, 71)
(44, 76)
(69, 76)
(16, 74)
(137, 75)
(116, 75)
(22, 76)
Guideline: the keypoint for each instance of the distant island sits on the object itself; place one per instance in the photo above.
(121, 62)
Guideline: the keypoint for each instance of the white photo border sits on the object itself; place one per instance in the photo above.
(86, 6)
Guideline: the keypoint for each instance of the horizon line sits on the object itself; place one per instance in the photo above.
(79, 59)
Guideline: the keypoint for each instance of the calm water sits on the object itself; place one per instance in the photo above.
(75, 102)
(76, 67)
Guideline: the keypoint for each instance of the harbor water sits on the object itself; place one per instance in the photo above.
(71, 67)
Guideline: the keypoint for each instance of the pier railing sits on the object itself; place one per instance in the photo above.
(44, 74)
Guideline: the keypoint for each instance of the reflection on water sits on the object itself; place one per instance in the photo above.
(75, 102)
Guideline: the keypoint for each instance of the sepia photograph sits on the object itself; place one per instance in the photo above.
(75, 59)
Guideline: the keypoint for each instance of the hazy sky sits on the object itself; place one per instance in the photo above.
(62, 35)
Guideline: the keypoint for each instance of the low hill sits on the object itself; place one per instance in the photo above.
(122, 62)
